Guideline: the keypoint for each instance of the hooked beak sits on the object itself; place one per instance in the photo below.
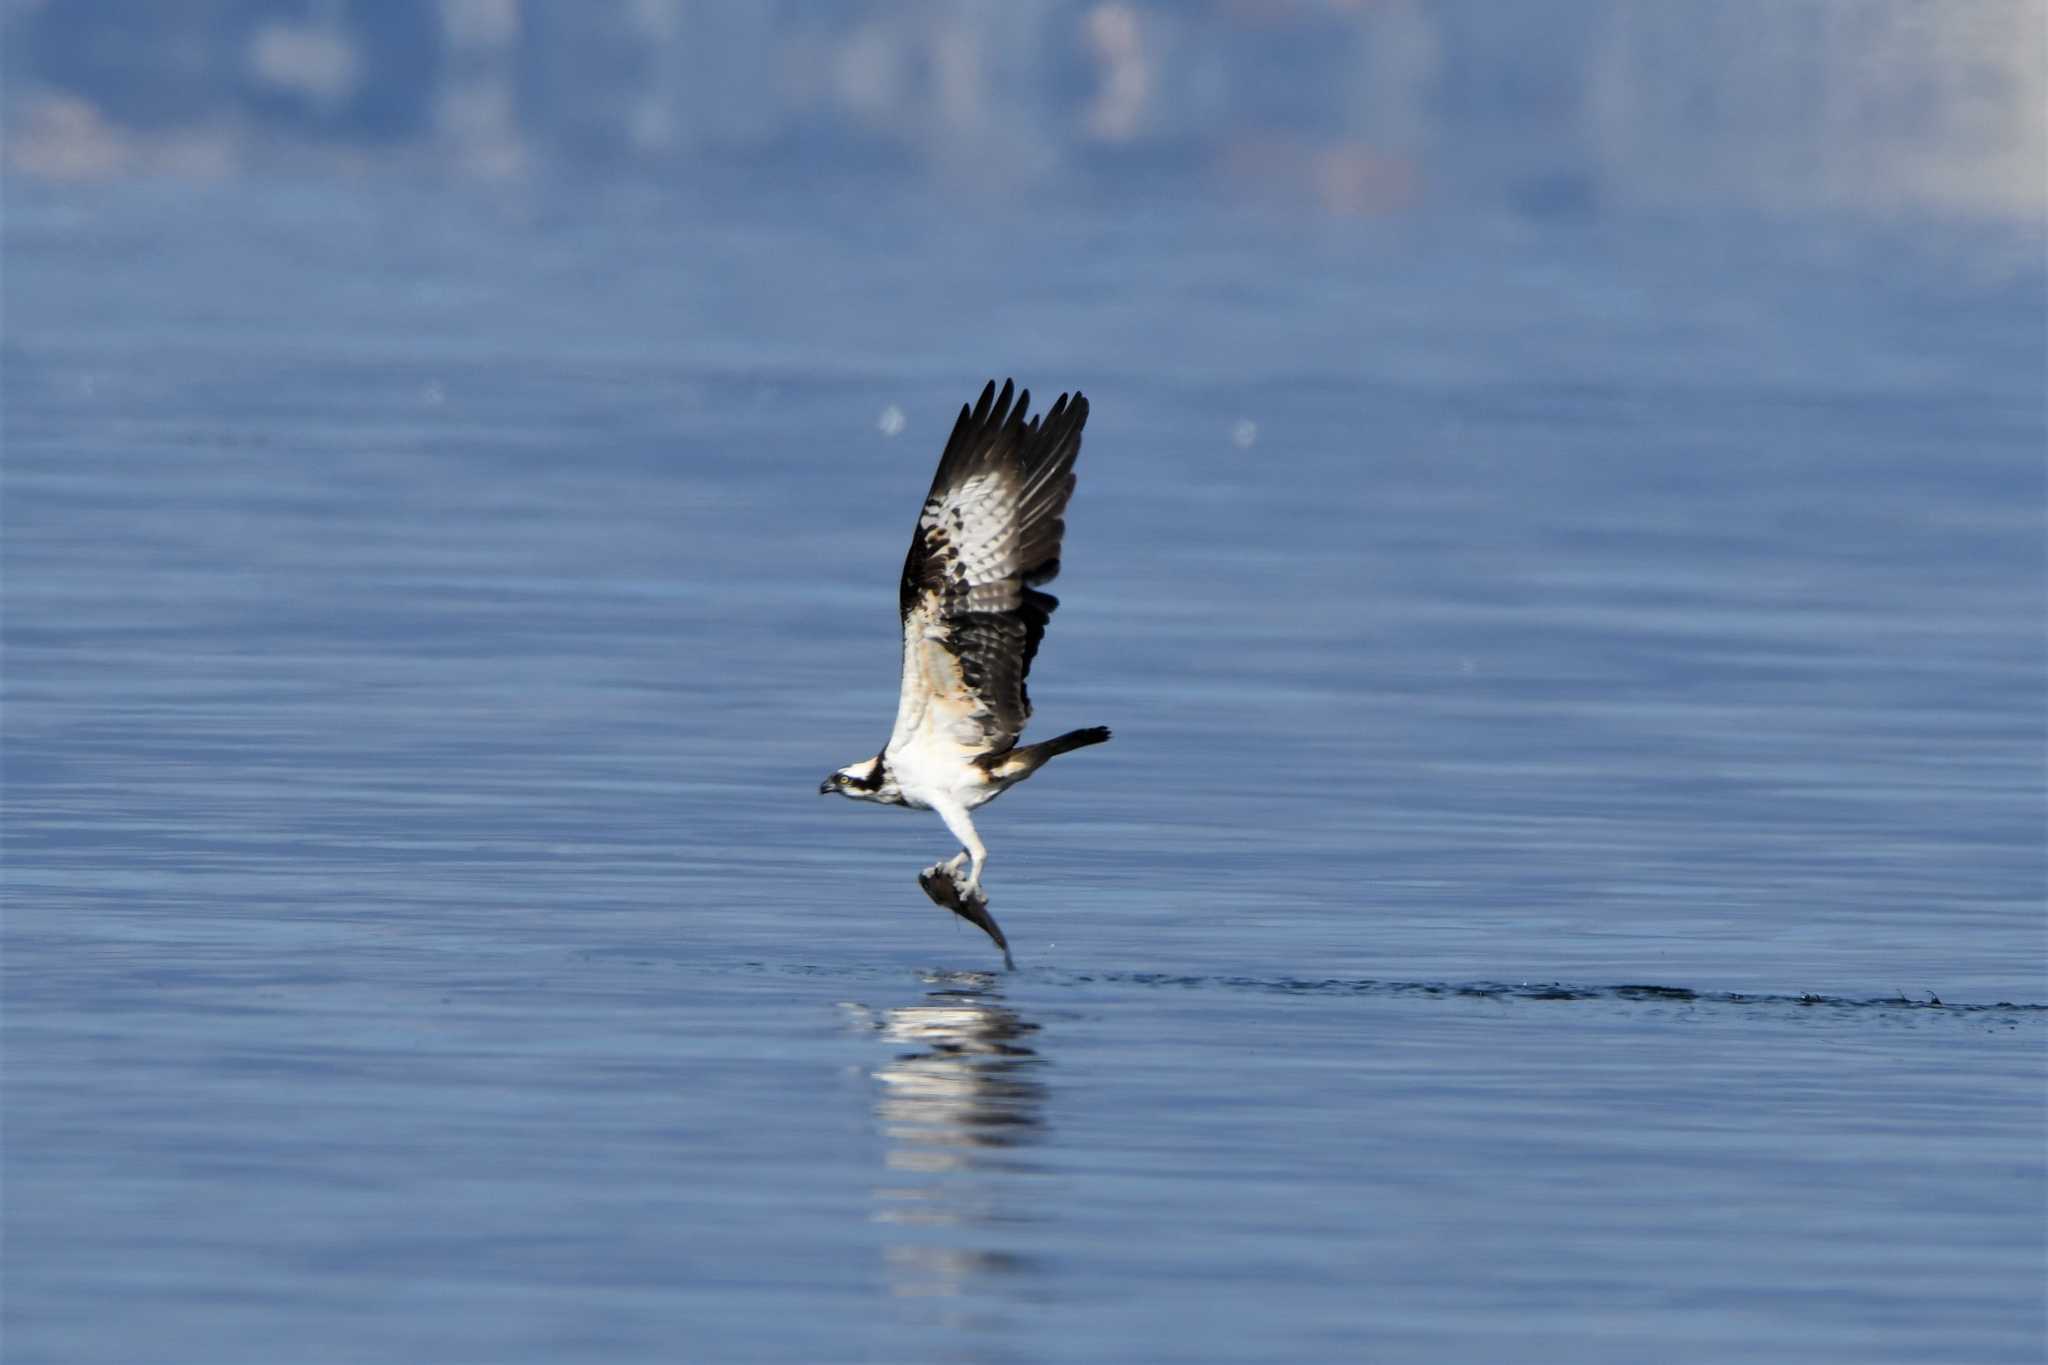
(825, 788)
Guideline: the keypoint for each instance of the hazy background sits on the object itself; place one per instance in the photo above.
(1879, 106)
(1560, 541)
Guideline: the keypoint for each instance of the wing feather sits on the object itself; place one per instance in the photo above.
(987, 537)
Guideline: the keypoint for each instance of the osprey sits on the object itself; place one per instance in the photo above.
(987, 538)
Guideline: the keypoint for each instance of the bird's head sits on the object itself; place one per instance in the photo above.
(862, 781)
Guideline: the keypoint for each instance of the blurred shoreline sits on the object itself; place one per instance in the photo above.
(1882, 107)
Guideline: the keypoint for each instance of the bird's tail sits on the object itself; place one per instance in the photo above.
(1021, 763)
(1068, 742)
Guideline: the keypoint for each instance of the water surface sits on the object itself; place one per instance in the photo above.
(427, 620)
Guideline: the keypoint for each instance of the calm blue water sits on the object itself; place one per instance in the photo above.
(427, 618)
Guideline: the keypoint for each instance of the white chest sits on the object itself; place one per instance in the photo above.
(933, 770)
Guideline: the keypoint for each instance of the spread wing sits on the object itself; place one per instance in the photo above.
(987, 537)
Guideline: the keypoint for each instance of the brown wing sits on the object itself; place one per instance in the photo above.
(987, 536)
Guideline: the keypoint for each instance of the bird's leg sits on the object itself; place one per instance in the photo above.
(956, 820)
(953, 863)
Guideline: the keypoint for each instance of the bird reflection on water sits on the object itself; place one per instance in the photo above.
(958, 1109)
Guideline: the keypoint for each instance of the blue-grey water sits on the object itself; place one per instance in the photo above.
(428, 616)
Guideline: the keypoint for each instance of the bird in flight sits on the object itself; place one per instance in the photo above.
(987, 538)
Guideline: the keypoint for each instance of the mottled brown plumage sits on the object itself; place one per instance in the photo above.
(987, 537)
